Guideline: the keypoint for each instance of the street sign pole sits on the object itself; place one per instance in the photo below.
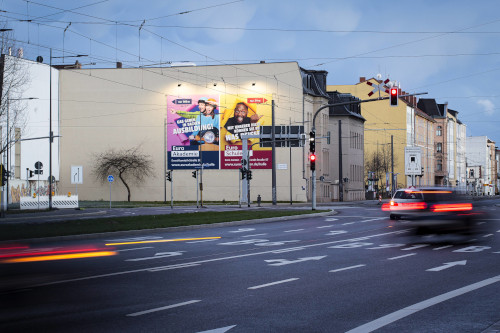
(110, 180)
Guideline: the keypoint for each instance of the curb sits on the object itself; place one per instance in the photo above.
(169, 229)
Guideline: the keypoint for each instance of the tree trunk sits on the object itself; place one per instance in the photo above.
(126, 185)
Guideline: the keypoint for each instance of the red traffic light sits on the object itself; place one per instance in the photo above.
(312, 158)
(394, 96)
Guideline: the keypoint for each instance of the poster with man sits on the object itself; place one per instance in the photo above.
(193, 126)
(244, 114)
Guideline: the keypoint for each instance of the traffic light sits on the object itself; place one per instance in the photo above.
(194, 174)
(243, 173)
(312, 160)
(31, 173)
(3, 173)
(249, 174)
(169, 176)
(312, 142)
(394, 96)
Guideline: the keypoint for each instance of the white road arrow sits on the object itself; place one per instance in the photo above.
(447, 265)
(219, 330)
(281, 262)
(158, 256)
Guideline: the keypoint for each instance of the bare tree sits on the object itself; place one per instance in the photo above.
(130, 165)
(379, 162)
(14, 79)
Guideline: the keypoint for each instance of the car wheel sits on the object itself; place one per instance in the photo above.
(392, 217)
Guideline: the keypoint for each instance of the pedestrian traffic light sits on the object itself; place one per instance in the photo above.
(249, 174)
(394, 96)
(3, 173)
(31, 173)
(312, 160)
(194, 174)
(169, 176)
(312, 142)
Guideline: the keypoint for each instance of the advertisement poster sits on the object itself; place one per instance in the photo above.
(244, 114)
(193, 125)
(207, 129)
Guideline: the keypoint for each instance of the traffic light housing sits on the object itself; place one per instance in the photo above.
(194, 174)
(394, 96)
(312, 161)
(312, 142)
(169, 176)
(249, 174)
(3, 173)
(243, 173)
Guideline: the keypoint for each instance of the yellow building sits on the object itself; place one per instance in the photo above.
(388, 130)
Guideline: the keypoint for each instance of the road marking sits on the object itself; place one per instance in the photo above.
(348, 223)
(158, 256)
(374, 219)
(243, 230)
(345, 268)
(488, 235)
(330, 219)
(289, 250)
(392, 317)
(281, 262)
(273, 283)
(254, 235)
(201, 241)
(162, 308)
(414, 247)
(169, 267)
(442, 247)
(404, 256)
(209, 260)
(219, 330)
(133, 239)
(137, 248)
(447, 265)
(335, 232)
(294, 230)
(325, 226)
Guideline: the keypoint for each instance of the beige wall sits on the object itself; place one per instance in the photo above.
(102, 109)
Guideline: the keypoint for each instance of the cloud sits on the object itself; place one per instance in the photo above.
(488, 106)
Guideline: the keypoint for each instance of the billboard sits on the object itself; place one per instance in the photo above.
(206, 130)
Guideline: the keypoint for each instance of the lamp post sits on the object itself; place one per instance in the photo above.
(51, 136)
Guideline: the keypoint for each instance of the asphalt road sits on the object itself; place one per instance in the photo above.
(356, 271)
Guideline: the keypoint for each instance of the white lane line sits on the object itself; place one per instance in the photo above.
(348, 223)
(442, 247)
(162, 308)
(294, 230)
(414, 247)
(325, 226)
(273, 283)
(137, 248)
(374, 219)
(254, 235)
(392, 317)
(289, 250)
(488, 235)
(345, 268)
(166, 268)
(404, 256)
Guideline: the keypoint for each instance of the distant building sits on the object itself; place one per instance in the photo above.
(480, 157)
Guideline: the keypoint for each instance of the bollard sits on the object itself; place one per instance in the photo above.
(259, 199)
(380, 199)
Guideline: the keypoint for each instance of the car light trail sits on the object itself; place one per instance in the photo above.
(60, 257)
(162, 241)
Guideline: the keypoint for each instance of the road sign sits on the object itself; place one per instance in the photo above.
(38, 165)
(76, 174)
(111, 178)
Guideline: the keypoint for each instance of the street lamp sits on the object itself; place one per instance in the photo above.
(51, 136)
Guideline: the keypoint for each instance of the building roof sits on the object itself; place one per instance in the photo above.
(351, 110)
(314, 82)
(429, 106)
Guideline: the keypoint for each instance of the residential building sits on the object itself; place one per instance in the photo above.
(480, 157)
(387, 131)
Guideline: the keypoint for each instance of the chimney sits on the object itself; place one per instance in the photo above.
(118, 64)
(362, 79)
(78, 65)
(262, 61)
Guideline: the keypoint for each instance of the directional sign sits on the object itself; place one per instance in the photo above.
(447, 265)
(281, 262)
(76, 174)
(111, 178)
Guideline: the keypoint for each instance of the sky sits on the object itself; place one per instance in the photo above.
(448, 48)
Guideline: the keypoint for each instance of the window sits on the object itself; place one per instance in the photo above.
(440, 165)
(439, 131)
(439, 147)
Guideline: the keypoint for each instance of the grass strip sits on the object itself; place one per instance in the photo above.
(89, 226)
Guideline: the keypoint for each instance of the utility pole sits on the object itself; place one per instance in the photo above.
(341, 182)
(393, 189)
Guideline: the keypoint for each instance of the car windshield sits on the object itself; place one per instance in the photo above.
(407, 195)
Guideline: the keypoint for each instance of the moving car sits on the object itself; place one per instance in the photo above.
(405, 202)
